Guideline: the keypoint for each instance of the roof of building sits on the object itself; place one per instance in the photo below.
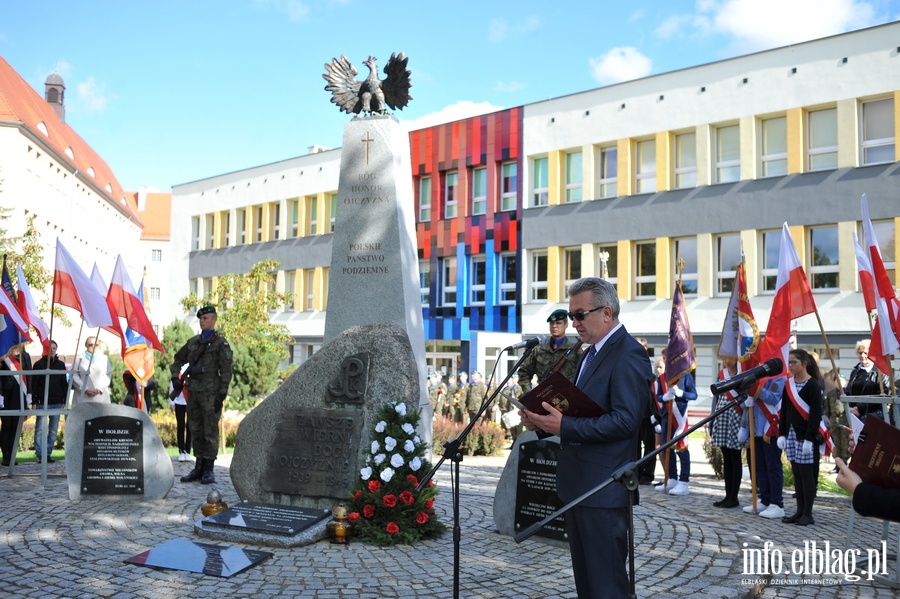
(20, 103)
(156, 214)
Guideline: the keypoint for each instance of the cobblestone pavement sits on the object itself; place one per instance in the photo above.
(53, 547)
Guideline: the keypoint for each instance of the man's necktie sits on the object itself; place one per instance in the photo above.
(587, 360)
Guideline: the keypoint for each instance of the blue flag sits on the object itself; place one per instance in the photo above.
(9, 334)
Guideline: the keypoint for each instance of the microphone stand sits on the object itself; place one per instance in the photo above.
(627, 477)
(454, 454)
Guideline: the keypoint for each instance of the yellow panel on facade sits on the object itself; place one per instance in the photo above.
(751, 246)
(664, 270)
(747, 131)
(664, 161)
(798, 234)
(848, 133)
(323, 214)
(218, 230)
(625, 170)
(705, 265)
(896, 134)
(796, 143)
(554, 274)
(590, 261)
(847, 271)
(625, 273)
(555, 180)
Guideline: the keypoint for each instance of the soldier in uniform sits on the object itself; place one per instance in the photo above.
(452, 394)
(206, 379)
(543, 359)
(437, 393)
(475, 394)
(458, 403)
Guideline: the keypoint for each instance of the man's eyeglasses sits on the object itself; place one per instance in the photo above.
(579, 316)
(90, 345)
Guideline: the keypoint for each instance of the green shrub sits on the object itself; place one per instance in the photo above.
(484, 438)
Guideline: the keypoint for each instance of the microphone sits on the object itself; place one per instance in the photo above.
(771, 367)
(528, 343)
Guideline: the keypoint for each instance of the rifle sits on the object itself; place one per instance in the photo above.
(184, 379)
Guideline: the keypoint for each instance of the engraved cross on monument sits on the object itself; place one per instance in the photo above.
(374, 275)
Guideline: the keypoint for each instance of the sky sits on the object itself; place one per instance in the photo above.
(174, 91)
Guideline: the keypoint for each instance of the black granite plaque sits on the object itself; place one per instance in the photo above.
(267, 517)
(113, 457)
(315, 453)
(536, 489)
(214, 560)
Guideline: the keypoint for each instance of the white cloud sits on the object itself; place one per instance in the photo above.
(509, 86)
(92, 95)
(620, 64)
(762, 24)
(500, 29)
(454, 112)
(296, 10)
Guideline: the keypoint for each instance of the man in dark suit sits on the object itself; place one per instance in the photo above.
(615, 373)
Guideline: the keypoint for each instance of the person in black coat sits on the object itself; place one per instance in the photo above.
(868, 499)
(56, 388)
(15, 391)
(865, 379)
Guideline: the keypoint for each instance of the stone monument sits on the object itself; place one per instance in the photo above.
(115, 451)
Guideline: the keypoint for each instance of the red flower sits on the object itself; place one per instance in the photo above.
(353, 516)
(374, 486)
(407, 498)
(391, 528)
(421, 518)
(389, 500)
(429, 504)
(412, 479)
(368, 510)
(357, 495)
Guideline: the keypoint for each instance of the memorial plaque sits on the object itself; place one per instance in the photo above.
(315, 453)
(267, 517)
(113, 457)
(204, 558)
(536, 489)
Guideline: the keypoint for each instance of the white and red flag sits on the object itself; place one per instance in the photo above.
(27, 306)
(73, 288)
(740, 335)
(123, 300)
(886, 330)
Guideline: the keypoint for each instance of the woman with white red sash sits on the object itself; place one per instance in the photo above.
(14, 390)
(801, 415)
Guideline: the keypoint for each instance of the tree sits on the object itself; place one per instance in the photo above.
(174, 337)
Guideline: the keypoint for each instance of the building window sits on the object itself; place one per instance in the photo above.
(332, 205)
(451, 191)
(728, 257)
(571, 268)
(541, 185)
(156, 255)
(309, 289)
(645, 270)
(771, 248)
(608, 257)
(425, 282)
(295, 217)
(824, 258)
(242, 226)
(539, 276)
(312, 212)
(155, 293)
(448, 281)
(728, 154)
(645, 167)
(509, 184)
(607, 181)
(276, 220)
(878, 131)
(290, 282)
(686, 251)
(773, 147)
(207, 287)
(478, 275)
(425, 199)
(195, 233)
(822, 141)
(479, 190)
(573, 177)
(685, 160)
(508, 277)
(227, 219)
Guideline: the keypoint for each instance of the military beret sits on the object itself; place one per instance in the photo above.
(558, 315)
(206, 310)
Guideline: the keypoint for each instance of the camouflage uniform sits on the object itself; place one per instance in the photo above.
(209, 375)
(475, 394)
(456, 402)
(437, 392)
(544, 358)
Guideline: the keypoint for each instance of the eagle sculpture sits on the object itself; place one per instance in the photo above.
(371, 95)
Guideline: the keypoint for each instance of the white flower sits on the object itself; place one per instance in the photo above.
(365, 473)
(417, 440)
(387, 474)
(415, 464)
(379, 428)
(379, 458)
(401, 409)
(375, 447)
(397, 460)
(390, 443)
(408, 428)
(409, 446)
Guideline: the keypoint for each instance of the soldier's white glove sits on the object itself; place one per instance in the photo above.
(781, 442)
(749, 402)
(668, 396)
(678, 391)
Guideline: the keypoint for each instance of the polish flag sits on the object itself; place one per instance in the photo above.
(73, 288)
(793, 299)
(28, 307)
(886, 329)
(125, 303)
(866, 276)
(9, 308)
(103, 288)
